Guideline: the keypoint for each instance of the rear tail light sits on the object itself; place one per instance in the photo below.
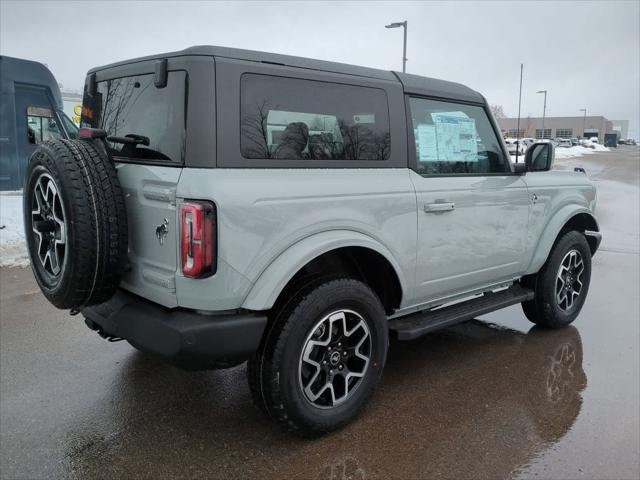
(198, 239)
(91, 133)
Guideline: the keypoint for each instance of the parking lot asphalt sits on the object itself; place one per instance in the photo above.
(492, 398)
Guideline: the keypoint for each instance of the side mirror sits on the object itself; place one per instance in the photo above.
(539, 157)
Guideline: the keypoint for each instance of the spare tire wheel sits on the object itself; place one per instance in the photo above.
(75, 223)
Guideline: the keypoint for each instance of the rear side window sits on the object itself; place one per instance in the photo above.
(293, 119)
(143, 122)
(454, 138)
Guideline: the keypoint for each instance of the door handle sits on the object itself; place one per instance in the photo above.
(439, 207)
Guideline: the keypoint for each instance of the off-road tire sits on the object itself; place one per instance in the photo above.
(273, 371)
(544, 309)
(95, 218)
(292, 294)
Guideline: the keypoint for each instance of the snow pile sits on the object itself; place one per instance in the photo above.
(576, 151)
(13, 250)
(579, 151)
(600, 148)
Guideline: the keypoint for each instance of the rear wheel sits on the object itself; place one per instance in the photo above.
(562, 284)
(322, 357)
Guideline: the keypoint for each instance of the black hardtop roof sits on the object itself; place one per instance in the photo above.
(27, 71)
(412, 84)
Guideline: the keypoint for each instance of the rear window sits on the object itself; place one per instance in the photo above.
(293, 119)
(143, 122)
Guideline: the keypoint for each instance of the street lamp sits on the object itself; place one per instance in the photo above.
(404, 45)
(584, 120)
(544, 110)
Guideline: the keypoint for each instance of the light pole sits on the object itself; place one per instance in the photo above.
(404, 45)
(544, 110)
(584, 121)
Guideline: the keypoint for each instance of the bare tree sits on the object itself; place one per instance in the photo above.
(497, 111)
(255, 133)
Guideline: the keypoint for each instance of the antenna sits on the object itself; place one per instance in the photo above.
(518, 127)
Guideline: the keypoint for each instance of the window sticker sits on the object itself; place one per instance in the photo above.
(427, 144)
(364, 118)
(455, 137)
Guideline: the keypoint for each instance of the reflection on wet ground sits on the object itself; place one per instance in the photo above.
(475, 400)
(515, 409)
(492, 398)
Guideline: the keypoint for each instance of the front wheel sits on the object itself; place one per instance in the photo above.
(562, 284)
(322, 357)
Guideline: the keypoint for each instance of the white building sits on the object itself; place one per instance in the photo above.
(72, 102)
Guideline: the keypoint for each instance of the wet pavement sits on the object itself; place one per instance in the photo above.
(492, 398)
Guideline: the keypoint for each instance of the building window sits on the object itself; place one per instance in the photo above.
(513, 133)
(591, 132)
(547, 133)
(564, 132)
(291, 119)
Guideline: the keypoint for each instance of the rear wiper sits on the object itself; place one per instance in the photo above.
(131, 139)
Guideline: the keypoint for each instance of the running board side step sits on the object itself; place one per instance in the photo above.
(418, 324)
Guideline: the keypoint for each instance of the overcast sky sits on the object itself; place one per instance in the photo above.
(586, 54)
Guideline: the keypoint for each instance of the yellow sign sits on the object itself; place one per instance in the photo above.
(77, 110)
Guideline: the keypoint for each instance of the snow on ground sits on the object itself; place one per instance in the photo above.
(12, 247)
(579, 151)
(576, 151)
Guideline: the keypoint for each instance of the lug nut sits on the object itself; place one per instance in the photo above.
(340, 367)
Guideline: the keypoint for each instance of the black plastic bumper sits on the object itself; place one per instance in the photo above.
(182, 337)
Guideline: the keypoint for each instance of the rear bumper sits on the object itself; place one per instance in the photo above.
(182, 337)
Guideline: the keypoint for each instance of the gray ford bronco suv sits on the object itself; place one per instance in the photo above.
(226, 205)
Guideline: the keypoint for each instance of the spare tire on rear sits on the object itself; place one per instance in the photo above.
(75, 223)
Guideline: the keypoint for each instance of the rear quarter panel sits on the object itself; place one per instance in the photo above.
(264, 212)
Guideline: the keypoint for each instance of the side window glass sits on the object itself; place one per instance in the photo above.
(293, 119)
(454, 138)
(41, 125)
